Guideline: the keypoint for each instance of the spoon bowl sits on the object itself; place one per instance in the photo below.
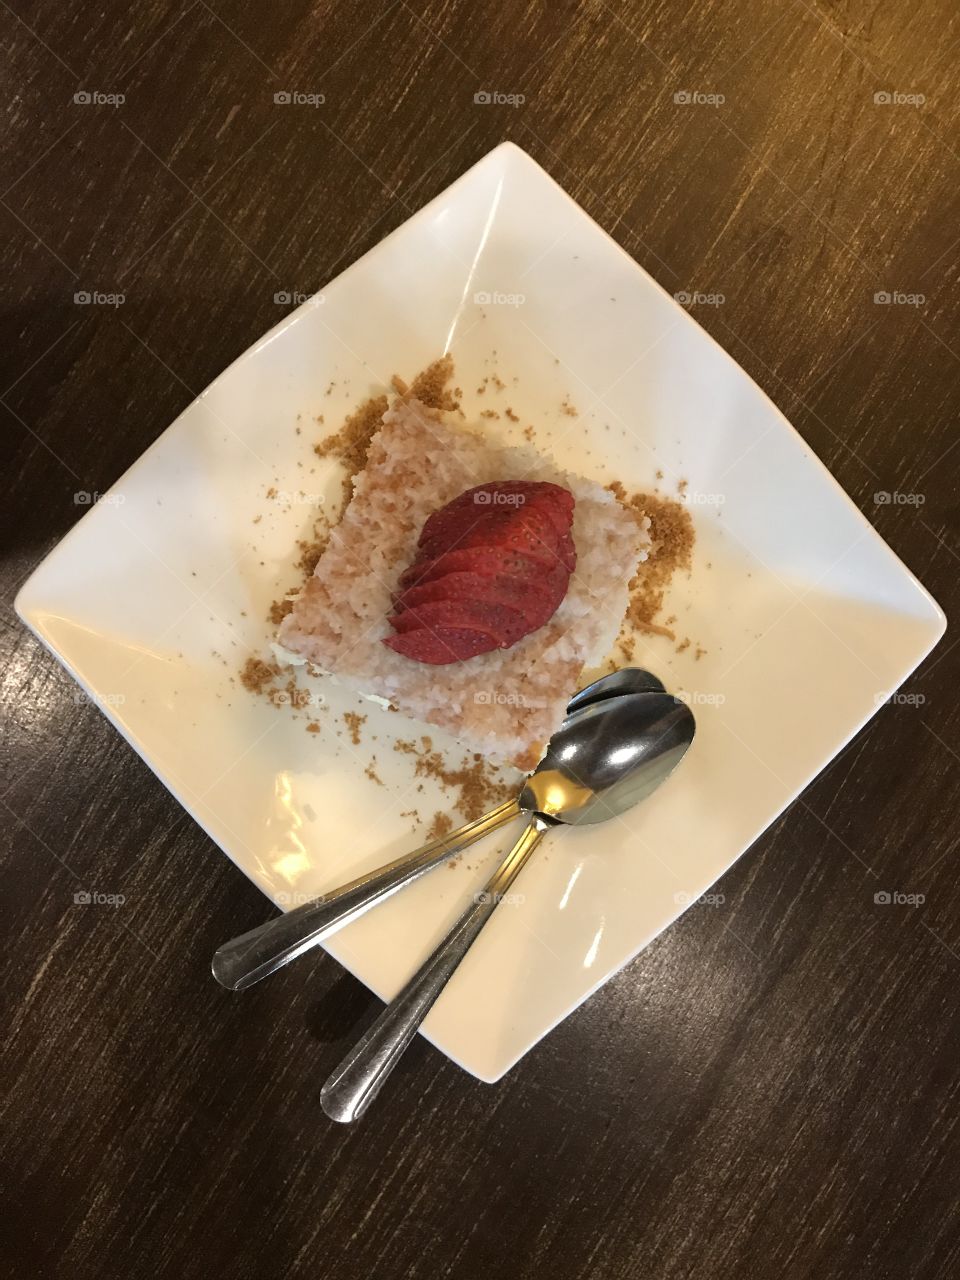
(609, 757)
(623, 680)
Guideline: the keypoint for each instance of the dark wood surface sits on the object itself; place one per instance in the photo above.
(770, 1089)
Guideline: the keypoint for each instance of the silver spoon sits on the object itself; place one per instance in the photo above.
(246, 959)
(607, 758)
(626, 680)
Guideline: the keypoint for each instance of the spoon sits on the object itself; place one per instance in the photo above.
(606, 759)
(246, 959)
(626, 680)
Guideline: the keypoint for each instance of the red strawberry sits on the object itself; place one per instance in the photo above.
(536, 598)
(504, 625)
(486, 573)
(488, 560)
(440, 645)
(484, 498)
(520, 530)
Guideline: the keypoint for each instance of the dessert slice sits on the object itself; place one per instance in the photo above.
(477, 617)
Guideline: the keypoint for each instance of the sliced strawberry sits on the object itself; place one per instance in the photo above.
(484, 498)
(439, 646)
(502, 624)
(486, 573)
(514, 529)
(487, 560)
(535, 598)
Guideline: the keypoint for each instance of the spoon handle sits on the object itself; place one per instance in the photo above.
(360, 1076)
(240, 963)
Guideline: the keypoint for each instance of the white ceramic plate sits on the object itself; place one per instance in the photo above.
(808, 619)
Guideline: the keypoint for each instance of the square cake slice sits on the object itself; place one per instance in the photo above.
(505, 703)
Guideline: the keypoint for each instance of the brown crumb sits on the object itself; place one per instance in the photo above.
(371, 772)
(351, 443)
(313, 727)
(682, 487)
(271, 492)
(569, 409)
(279, 610)
(528, 433)
(489, 413)
(441, 824)
(353, 720)
(257, 676)
(312, 548)
(672, 534)
(476, 780)
(430, 385)
(684, 645)
(514, 417)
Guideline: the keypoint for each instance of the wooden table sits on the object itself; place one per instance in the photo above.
(770, 1090)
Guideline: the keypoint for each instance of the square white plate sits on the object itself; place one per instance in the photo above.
(808, 620)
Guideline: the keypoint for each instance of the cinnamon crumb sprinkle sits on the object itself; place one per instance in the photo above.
(257, 676)
(476, 781)
(430, 386)
(441, 824)
(354, 720)
(279, 610)
(514, 417)
(672, 535)
(371, 772)
(351, 443)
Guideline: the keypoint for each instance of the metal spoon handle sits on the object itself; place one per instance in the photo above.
(360, 1076)
(245, 960)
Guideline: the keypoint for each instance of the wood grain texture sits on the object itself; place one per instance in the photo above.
(771, 1089)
